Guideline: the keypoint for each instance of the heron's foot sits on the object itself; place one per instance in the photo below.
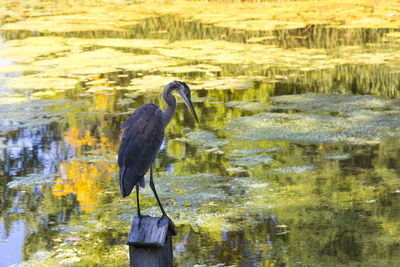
(140, 216)
(171, 223)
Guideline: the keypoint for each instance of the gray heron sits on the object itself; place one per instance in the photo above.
(143, 133)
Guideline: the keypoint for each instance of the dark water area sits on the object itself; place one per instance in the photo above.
(290, 165)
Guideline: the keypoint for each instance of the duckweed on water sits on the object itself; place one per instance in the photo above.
(246, 105)
(251, 160)
(95, 157)
(355, 124)
(334, 103)
(227, 83)
(57, 61)
(98, 61)
(37, 82)
(104, 15)
(31, 114)
(294, 169)
(202, 68)
(32, 179)
(149, 83)
(200, 203)
(338, 156)
(204, 139)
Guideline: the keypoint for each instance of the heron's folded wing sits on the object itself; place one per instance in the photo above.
(141, 140)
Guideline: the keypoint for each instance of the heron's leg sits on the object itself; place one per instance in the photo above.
(171, 223)
(153, 188)
(137, 201)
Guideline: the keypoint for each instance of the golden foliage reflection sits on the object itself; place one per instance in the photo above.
(85, 176)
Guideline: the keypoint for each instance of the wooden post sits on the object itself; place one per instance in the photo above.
(150, 242)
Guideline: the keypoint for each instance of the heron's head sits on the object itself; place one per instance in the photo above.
(184, 92)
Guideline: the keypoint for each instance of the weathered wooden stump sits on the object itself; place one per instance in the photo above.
(150, 242)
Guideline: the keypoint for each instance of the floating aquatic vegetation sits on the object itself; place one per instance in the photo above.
(94, 89)
(101, 61)
(251, 160)
(204, 68)
(37, 82)
(224, 52)
(18, 69)
(196, 188)
(204, 139)
(197, 203)
(249, 157)
(92, 19)
(95, 156)
(37, 259)
(236, 169)
(294, 169)
(304, 59)
(125, 101)
(252, 151)
(336, 103)
(129, 43)
(12, 99)
(71, 228)
(32, 180)
(31, 114)
(262, 16)
(30, 49)
(227, 83)
(338, 156)
(247, 105)
(150, 83)
(356, 124)
(115, 16)
(199, 99)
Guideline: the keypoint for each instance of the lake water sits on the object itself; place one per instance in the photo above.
(295, 160)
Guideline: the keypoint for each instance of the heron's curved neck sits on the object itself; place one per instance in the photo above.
(171, 104)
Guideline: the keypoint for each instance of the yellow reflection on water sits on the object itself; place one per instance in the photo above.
(84, 176)
(75, 141)
(78, 178)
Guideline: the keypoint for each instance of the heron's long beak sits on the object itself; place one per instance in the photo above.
(189, 104)
(191, 108)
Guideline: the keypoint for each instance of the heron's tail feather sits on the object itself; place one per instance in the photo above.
(128, 180)
(125, 184)
(141, 182)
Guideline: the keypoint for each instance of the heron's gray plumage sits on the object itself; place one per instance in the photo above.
(143, 135)
(142, 138)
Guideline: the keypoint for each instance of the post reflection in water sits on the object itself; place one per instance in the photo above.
(295, 162)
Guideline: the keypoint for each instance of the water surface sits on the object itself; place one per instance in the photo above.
(295, 160)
